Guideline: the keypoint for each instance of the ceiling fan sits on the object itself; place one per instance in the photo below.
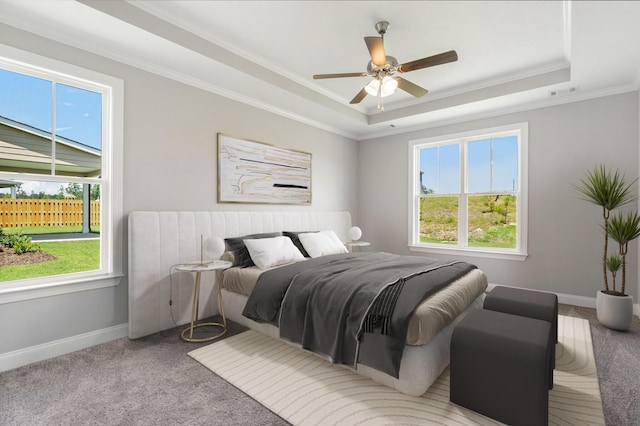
(383, 69)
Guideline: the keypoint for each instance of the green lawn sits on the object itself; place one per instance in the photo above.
(32, 230)
(491, 222)
(71, 256)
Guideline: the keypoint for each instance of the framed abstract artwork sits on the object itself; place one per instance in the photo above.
(256, 172)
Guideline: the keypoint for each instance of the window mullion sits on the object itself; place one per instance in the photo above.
(491, 165)
(462, 197)
(418, 200)
(53, 128)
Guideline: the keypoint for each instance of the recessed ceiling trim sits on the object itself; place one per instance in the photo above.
(162, 71)
(463, 118)
(519, 85)
(566, 24)
(170, 32)
(153, 8)
(484, 84)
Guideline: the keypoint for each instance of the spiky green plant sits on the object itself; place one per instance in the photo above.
(614, 262)
(608, 190)
(623, 228)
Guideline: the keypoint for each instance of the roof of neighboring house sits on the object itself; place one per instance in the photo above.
(8, 183)
(24, 148)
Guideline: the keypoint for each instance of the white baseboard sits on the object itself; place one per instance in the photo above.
(570, 299)
(21, 357)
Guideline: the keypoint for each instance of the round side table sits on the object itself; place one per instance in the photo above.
(354, 246)
(199, 269)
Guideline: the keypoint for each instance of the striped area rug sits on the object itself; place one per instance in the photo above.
(306, 390)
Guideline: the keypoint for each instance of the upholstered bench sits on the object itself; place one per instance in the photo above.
(499, 366)
(526, 303)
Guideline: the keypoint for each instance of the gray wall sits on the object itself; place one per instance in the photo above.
(170, 153)
(565, 239)
(170, 163)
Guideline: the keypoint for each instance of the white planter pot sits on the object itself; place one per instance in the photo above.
(615, 312)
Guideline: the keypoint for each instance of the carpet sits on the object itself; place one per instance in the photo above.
(306, 390)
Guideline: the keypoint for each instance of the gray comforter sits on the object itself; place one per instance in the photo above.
(352, 307)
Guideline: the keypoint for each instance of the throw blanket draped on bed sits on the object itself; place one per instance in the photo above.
(326, 304)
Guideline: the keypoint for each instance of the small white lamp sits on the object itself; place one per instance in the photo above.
(354, 233)
(214, 247)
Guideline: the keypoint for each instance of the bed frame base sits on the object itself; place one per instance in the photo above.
(420, 367)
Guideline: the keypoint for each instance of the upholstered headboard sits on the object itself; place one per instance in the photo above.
(159, 240)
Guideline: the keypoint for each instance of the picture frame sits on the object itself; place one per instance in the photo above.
(260, 173)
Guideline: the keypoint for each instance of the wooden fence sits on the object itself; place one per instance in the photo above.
(21, 212)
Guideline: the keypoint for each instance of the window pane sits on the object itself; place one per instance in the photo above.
(47, 229)
(25, 123)
(429, 170)
(493, 165)
(479, 166)
(440, 169)
(78, 131)
(505, 164)
(492, 221)
(439, 219)
(25, 99)
(450, 169)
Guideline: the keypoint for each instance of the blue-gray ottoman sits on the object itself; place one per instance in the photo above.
(499, 366)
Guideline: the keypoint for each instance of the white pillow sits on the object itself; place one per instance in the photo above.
(322, 243)
(268, 252)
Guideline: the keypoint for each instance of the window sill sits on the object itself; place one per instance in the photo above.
(17, 291)
(470, 252)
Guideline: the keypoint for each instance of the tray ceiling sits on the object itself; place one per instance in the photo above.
(513, 55)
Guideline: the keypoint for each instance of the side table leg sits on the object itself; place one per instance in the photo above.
(194, 315)
(195, 306)
(224, 318)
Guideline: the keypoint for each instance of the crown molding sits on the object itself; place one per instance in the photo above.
(547, 102)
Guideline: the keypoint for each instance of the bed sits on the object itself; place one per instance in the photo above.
(426, 353)
(423, 358)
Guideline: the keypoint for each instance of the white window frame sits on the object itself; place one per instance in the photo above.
(520, 252)
(111, 183)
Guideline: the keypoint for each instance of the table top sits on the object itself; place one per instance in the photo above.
(357, 244)
(208, 265)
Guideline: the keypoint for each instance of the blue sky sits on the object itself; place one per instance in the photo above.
(441, 166)
(28, 100)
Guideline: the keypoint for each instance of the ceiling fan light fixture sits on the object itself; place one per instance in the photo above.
(389, 86)
(372, 87)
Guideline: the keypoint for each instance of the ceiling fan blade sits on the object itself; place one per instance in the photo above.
(359, 97)
(441, 58)
(411, 88)
(376, 50)
(344, 74)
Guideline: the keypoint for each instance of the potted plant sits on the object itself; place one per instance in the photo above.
(622, 229)
(609, 190)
